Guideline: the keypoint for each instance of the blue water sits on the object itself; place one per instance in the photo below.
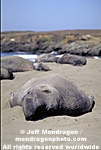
(28, 56)
(25, 55)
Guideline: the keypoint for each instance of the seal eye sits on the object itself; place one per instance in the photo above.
(28, 92)
(46, 91)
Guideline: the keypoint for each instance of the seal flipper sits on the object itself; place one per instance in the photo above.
(11, 99)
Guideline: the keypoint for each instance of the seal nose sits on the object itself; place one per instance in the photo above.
(91, 98)
(93, 104)
(29, 118)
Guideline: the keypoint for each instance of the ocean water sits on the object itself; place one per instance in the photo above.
(31, 57)
(25, 55)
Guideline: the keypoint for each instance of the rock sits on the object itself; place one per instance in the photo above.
(91, 39)
(81, 48)
(72, 59)
(86, 37)
(95, 51)
(46, 58)
(6, 74)
(83, 43)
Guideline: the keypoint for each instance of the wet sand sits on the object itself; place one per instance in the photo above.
(85, 129)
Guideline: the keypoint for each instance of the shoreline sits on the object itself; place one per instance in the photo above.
(79, 42)
(32, 57)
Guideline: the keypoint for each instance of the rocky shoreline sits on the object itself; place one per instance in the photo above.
(79, 42)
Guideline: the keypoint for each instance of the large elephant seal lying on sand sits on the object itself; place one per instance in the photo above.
(75, 60)
(16, 64)
(51, 95)
(19, 64)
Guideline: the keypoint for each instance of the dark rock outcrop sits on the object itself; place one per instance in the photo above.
(78, 48)
(79, 42)
(81, 48)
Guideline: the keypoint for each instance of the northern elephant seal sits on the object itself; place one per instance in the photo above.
(46, 58)
(75, 60)
(19, 64)
(6, 74)
(16, 64)
(40, 66)
(51, 95)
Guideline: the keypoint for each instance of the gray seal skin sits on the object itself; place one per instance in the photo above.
(19, 64)
(6, 74)
(46, 58)
(16, 64)
(41, 67)
(51, 95)
(75, 60)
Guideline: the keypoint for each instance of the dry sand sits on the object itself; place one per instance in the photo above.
(86, 127)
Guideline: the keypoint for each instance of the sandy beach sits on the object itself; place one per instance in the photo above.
(83, 131)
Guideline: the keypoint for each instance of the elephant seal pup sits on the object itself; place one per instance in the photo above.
(51, 95)
(75, 60)
(6, 74)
